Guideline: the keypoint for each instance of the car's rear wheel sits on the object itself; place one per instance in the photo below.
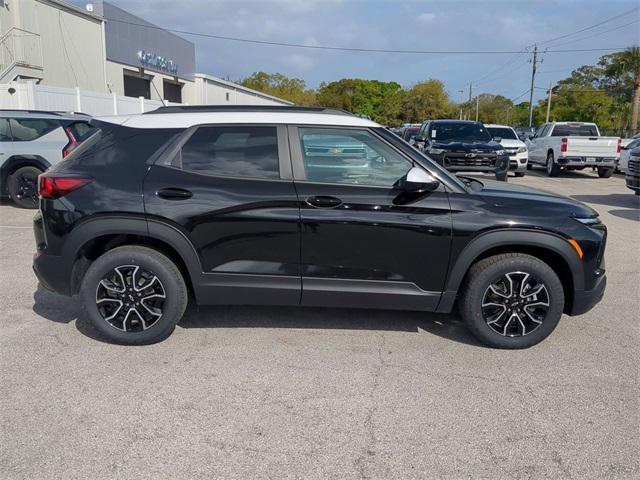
(134, 295)
(511, 300)
(605, 172)
(23, 187)
(553, 169)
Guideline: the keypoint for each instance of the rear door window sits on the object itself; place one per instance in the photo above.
(29, 129)
(232, 151)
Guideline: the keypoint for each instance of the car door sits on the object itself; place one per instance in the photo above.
(229, 190)
(534, 145)
(6, 143)
(361, 246)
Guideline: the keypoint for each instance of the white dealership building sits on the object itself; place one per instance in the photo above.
(98, 58)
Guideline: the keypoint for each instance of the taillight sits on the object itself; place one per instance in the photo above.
(52, 187)
(71, 145)
(619, 145)
(563, 146)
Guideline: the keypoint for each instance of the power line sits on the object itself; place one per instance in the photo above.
(355, 49)
(615, 29)
(589, 27)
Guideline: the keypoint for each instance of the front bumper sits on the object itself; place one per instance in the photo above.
(585, 300)
(633, 182)
(587, 161)
(518, 162)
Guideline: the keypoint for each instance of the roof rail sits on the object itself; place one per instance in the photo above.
(245, 108)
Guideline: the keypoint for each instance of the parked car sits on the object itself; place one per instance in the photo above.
(515, 148)
(632, 177)
(625, 153)
(573, 146)
(463, 146)
(409, 131)
(32, 141)
(227, 204)
(626, 141)
(524, 132)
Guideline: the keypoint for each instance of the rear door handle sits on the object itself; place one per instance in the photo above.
(322, 201)
(172, 193)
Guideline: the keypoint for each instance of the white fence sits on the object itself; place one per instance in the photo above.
(29, 96)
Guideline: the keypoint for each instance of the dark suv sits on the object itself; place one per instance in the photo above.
(463, 146)
(302, 206)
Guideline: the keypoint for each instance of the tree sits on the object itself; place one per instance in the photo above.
(427, 101)
(622, 78)
(279, 85)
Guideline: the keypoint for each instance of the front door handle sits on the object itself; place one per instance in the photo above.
(172, 193)
(322, 201)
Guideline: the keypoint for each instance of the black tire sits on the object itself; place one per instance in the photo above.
(519, 174)
(23, 187)
(477, 286)
(147, 260)
(553, 169)
(502, 177)
(605, 172)
(529, 166)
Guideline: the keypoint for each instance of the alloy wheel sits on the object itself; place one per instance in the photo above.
(27, 188)
(130, 298)
(515, 304)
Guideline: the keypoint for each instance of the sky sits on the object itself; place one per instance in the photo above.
(399, 25)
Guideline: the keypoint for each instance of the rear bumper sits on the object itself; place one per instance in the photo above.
(51, 273)
(587, 161)
(585, 300)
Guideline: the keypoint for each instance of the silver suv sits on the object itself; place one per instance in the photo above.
(32, 141)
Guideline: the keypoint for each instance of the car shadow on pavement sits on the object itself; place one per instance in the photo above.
(586, 174)
(626, 214)
(625, 200)
(61, 309)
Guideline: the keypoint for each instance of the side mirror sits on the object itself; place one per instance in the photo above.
(418, 181)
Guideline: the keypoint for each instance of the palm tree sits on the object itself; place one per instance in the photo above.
(627, 64)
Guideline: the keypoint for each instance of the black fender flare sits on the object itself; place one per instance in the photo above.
(129, 225)
(505, 238)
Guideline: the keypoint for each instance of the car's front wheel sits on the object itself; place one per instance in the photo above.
(23, 187)
(134, 295)
(512, 300)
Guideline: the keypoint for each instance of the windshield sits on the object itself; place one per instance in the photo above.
(574, 131)
(505, 133)
(458, 132)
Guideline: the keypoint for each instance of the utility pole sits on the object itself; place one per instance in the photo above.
(534, 63)
(548, 103)
(470, 99)
(477, 106)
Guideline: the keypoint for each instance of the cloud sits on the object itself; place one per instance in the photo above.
(426, 17)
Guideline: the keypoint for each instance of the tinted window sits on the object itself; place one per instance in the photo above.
(28, 129)
(410, 131)
(574, 131)
(458, 132)
(502, 132)
(357, 157)
(233, 151)
(5, 133)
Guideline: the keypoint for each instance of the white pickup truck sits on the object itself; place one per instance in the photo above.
(573, 146)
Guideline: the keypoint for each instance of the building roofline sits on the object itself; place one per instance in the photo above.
(73, 9)
(241, 88)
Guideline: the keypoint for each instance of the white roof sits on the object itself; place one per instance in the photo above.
(495, 125)
(185, 120)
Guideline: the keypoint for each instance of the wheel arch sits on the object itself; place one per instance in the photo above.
(95, 237)
(15, 162)
(548, 247)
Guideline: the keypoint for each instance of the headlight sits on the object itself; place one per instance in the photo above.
(436, 151)
(522, 149)
(500, 152)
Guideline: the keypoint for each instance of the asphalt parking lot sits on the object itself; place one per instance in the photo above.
(239, 392)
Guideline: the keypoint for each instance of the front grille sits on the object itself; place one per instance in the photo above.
(634, 166)
(456, 159)
(511, 151)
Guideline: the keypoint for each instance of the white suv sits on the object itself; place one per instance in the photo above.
(517, 149)
(32, 141)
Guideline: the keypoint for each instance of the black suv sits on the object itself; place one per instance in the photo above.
(463, 146)
(302, 206)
